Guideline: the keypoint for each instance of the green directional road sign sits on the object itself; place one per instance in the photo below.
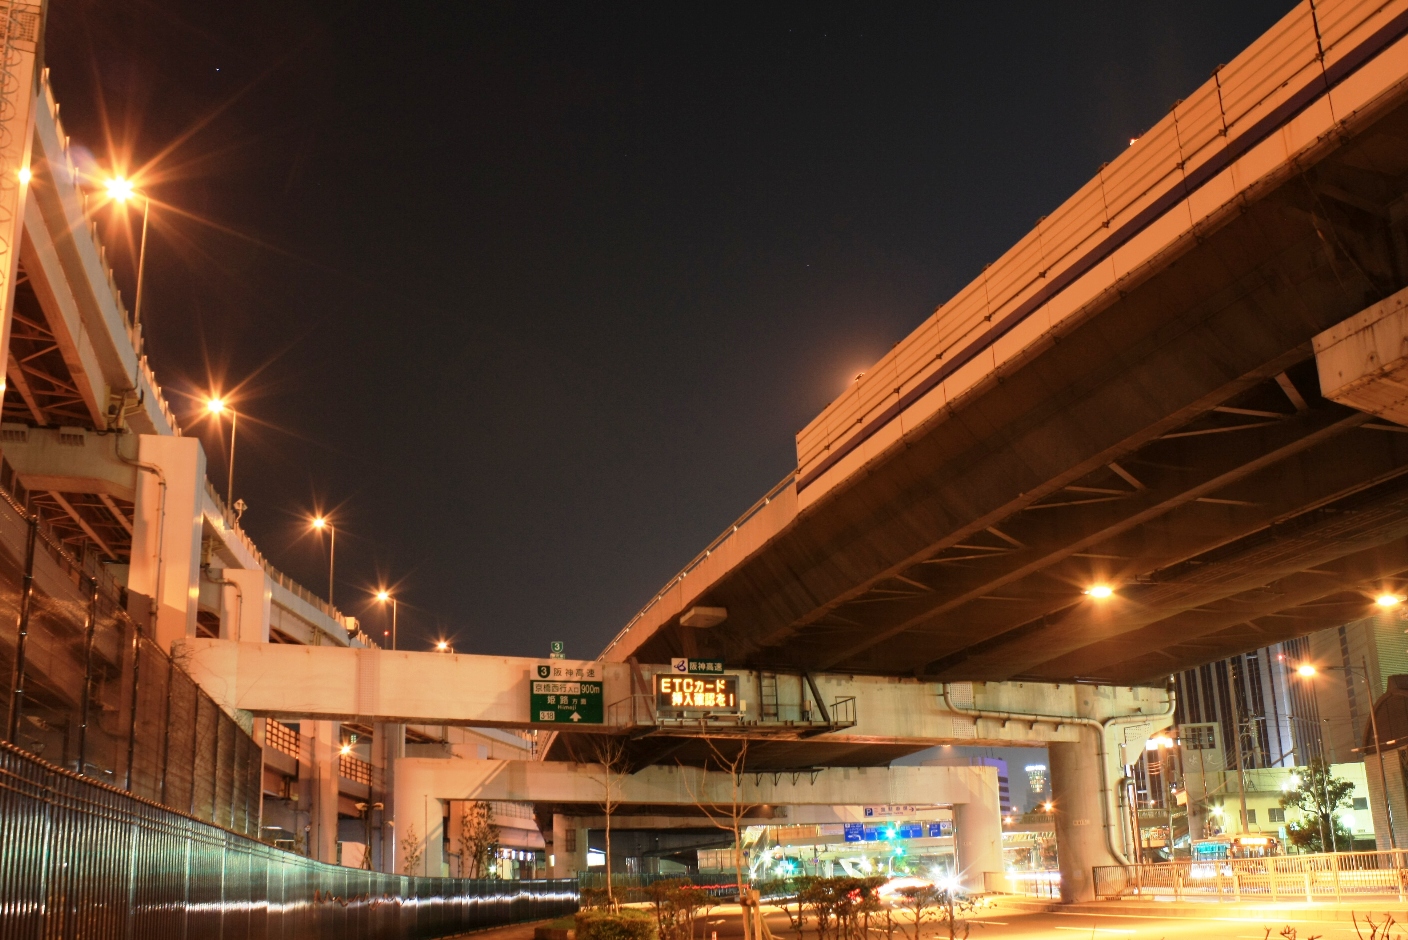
(559, 702)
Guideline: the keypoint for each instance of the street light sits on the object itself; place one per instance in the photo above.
(1307, 671)
(215, 407)
(319, 524)
(383, 596)
(1388, 600)
(1099, 592)
(121, 190)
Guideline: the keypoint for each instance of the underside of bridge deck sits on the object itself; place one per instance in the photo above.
(1173, 444)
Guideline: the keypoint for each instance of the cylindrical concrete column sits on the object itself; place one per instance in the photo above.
(419, 821)
(977, 834)
(318, 796)
(1079, 818)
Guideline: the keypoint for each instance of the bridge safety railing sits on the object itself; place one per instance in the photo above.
(81, 859)
(772, 494)
(1186, 156)
(1330, 876)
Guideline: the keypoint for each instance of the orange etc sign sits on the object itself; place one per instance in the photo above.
(696, 693)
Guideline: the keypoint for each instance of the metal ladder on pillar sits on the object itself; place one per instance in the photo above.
(767, 693)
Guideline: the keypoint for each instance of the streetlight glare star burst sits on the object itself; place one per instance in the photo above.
(1100, 592)
(120, 189)
(1388, 600)
(215, 406)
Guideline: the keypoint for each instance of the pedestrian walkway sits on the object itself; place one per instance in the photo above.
(511, 932)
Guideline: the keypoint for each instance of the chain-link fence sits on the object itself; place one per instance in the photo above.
(87, 860)
(89, 693)
(1331, 876)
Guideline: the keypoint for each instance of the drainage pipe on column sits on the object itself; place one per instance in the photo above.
(1108, 819)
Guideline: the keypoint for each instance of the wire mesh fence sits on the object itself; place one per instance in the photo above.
(81, 859)
(87, 691)
(1331, 876)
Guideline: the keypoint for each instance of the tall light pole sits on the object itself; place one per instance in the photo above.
(1308, 670)
(383, 596)
(319, 524)
(121, 190)
(216, 406)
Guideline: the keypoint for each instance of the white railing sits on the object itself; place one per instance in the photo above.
(1330, 876)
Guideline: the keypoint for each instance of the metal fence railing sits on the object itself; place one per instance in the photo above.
(1331, 876)
(1032, 884)
(82, 859)
(90, 692)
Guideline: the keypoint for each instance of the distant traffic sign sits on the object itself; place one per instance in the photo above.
(558, 650)
(566, 703)
(697, 667)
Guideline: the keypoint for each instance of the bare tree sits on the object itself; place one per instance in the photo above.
(477, 838)
(729, 817)
(411, 850)
(610, 754)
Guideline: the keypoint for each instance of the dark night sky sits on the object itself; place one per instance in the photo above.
(536, 296)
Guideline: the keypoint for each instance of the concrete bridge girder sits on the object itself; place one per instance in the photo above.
(341, 683)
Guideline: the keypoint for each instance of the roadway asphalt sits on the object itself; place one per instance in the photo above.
(1000, 922)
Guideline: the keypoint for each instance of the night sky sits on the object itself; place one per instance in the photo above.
(534, 297)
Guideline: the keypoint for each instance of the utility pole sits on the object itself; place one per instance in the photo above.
(1241, 769)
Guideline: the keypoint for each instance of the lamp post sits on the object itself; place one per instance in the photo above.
(383, 596)
(319, 524)
(121, 190)
(216, 406)
(1308, 671)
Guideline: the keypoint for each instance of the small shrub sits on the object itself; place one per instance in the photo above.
(621, 925)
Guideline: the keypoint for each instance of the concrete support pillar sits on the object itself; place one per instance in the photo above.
(1395, 798)
(569, 846)
(246, 601)
(392, 747)
(977, 831)
(1079, 817)
(319, 742)
(166, 533)
(420, 819)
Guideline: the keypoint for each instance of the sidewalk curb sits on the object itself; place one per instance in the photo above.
(1229, 910)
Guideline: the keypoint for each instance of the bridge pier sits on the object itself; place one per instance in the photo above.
(977, 839)
(1081, 799)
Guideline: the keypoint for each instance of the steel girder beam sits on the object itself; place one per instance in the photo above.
(1196, 341)
(1301, 550)
(1191, 471)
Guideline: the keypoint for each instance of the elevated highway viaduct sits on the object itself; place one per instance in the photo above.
(1155, 392)
(1160, 430)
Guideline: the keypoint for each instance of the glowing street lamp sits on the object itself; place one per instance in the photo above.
(383, 596)
(1099, 592)
(442, 646)
(215, 406)
(320, 523)
(1387, 600)
(121, 190)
